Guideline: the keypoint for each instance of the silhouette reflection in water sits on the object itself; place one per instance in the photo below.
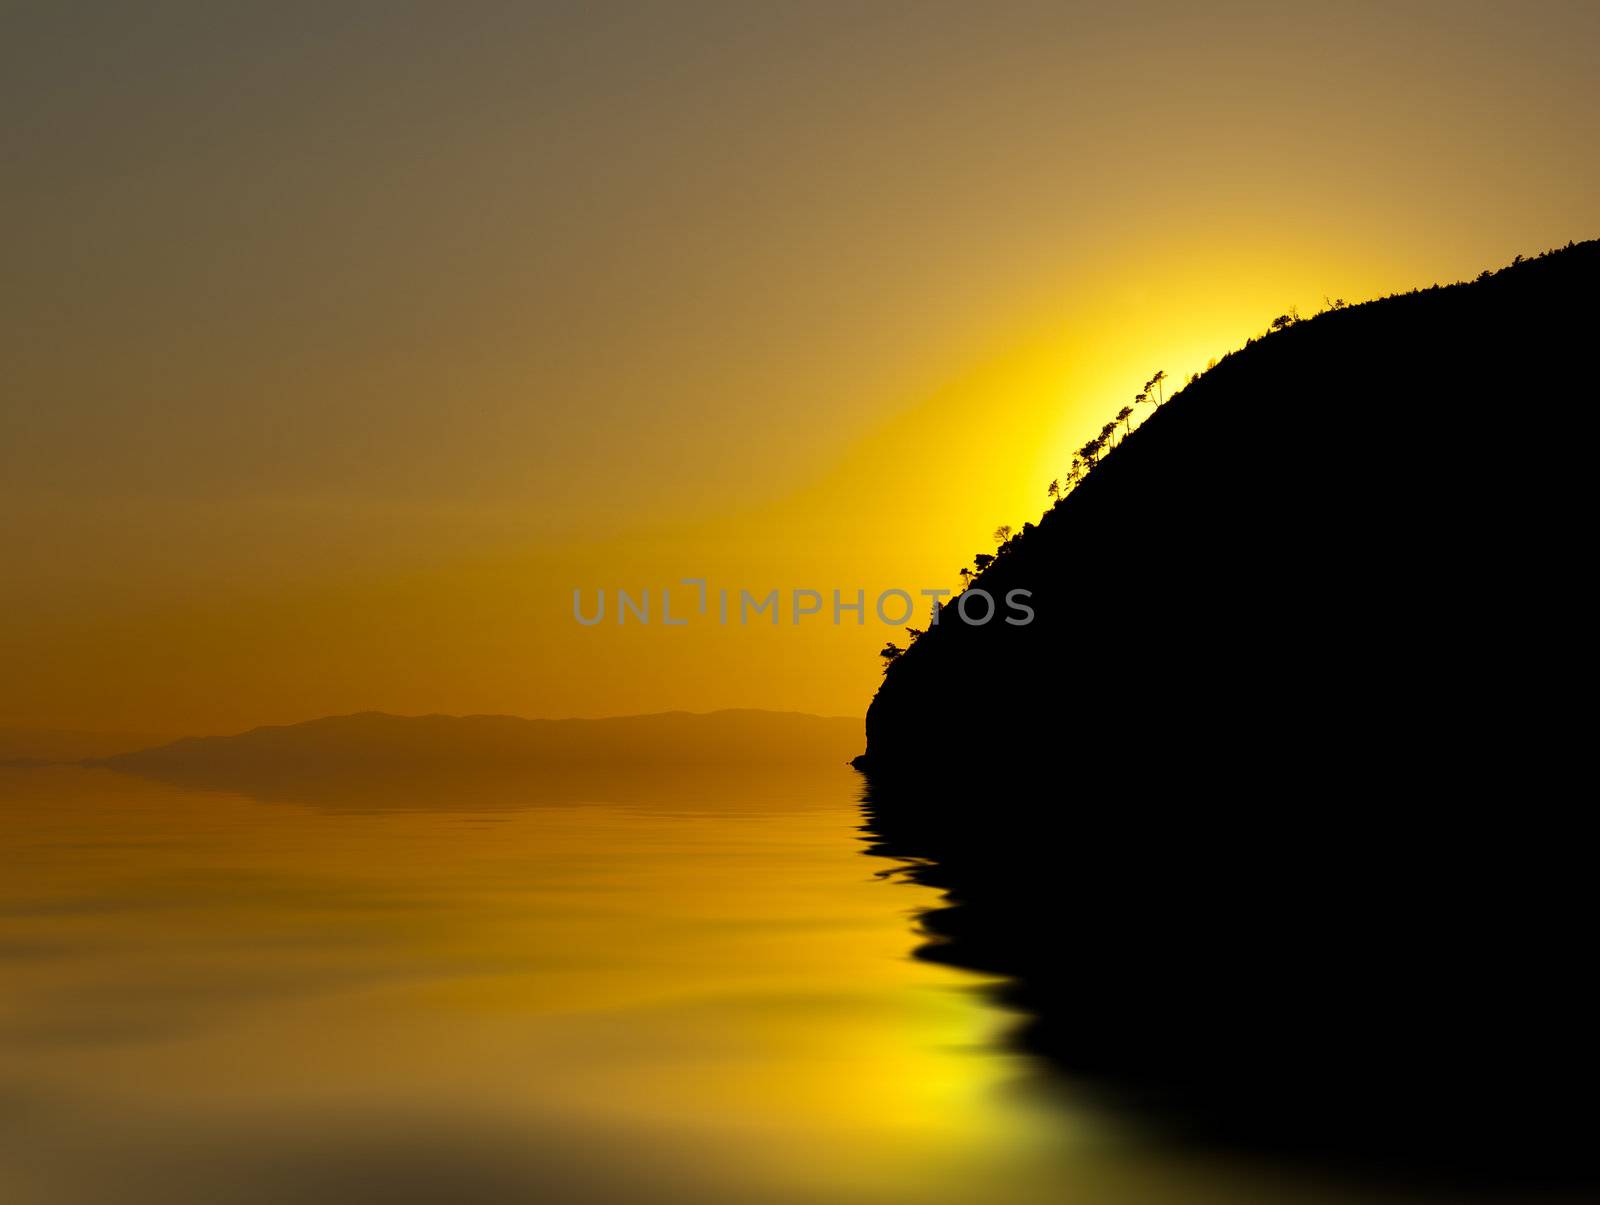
(1403, 1000)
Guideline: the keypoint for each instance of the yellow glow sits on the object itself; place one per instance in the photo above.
(334, 410)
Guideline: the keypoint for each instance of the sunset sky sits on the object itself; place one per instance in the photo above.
(344, 340)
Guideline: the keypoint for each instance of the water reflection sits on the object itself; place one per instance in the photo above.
(1383, 999)
(466, 787)
(209, 998)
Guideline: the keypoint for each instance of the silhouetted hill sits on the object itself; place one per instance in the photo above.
(1273, 813)
(373, 760)
(1363, 534)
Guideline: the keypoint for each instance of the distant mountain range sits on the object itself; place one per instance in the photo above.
(25, 745)
(374, 760)
(735, 735)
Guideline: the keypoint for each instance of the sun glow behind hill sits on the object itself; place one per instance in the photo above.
(438, 318)
(413, 623)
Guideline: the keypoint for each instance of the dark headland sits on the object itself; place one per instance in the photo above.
(1275, 817)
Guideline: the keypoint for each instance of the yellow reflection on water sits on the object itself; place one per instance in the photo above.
(220, 999)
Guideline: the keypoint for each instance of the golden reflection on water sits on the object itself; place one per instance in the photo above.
(213, 998)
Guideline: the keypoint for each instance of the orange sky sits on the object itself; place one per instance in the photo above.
(340, 346)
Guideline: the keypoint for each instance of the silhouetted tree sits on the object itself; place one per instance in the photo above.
(983, 560)
(890, 654)
(1054, 491)
(1123, 416)
(966, 577)
(1002, 534)
(1157, 380)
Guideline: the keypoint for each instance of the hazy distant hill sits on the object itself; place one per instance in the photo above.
(374, 760)
(55, 744)
(718, 736)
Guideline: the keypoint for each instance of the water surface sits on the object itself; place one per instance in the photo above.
(702, 993)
